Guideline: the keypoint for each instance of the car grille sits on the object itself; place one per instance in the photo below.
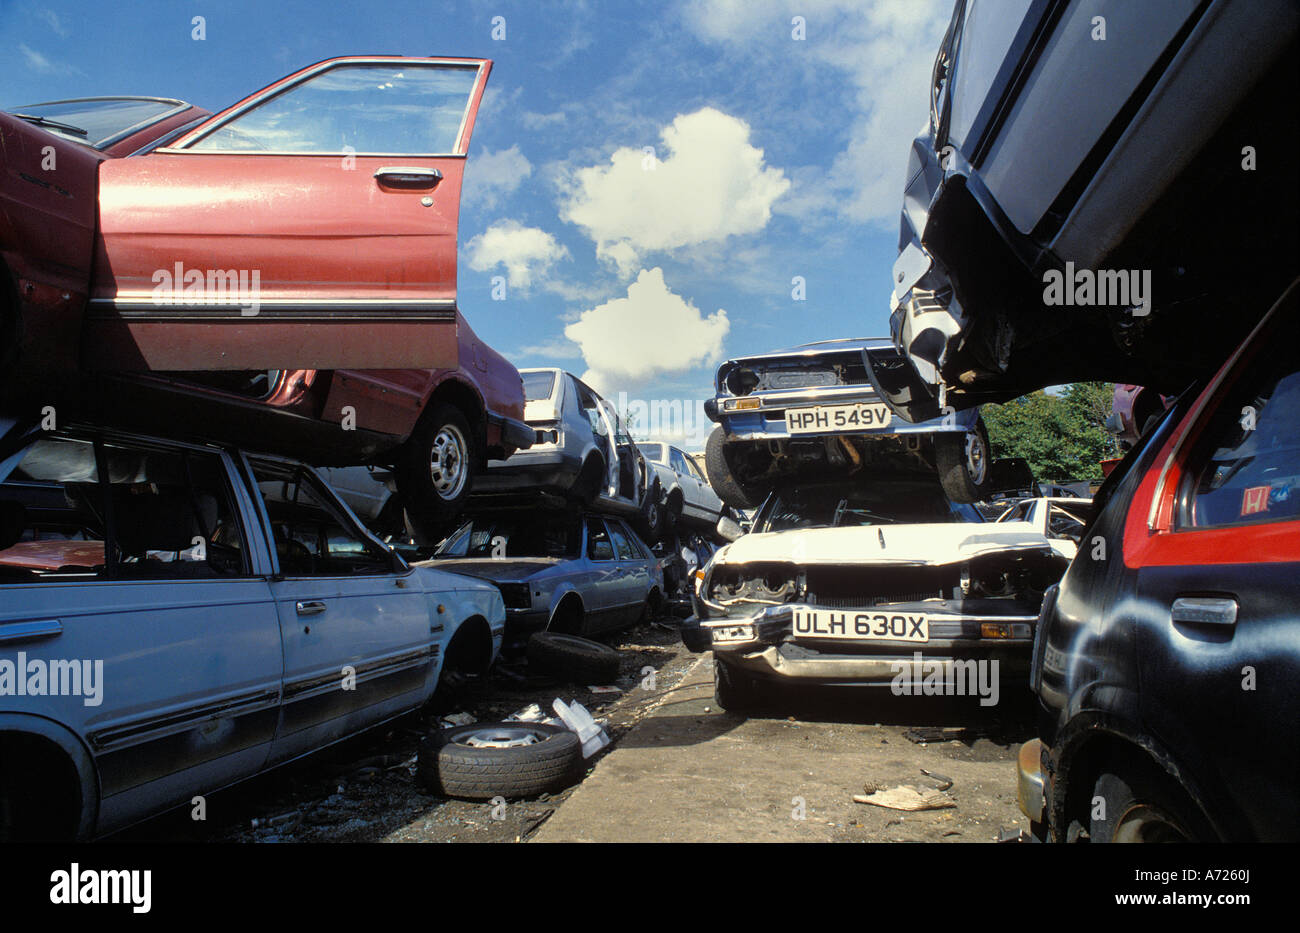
(863, 587)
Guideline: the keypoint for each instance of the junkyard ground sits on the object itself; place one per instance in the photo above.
(679, 769)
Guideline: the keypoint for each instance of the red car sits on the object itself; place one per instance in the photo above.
(270, 252)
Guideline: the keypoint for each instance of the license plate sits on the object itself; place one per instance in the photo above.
(866, 626)
(856, 417)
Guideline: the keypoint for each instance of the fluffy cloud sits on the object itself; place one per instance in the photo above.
(491, 176)
(705, 183)
(651, 331)
(527, 253)
(885, 50)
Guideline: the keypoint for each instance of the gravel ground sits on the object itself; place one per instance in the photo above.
(364, 790)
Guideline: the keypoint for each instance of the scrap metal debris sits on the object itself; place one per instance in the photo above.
(924, 735)
(942, 780)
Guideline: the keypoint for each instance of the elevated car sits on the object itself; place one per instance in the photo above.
(817, 407)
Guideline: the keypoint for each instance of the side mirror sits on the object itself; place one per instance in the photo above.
(729, 529)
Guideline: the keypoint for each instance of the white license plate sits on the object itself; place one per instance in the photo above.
(867, 626)
(857, 417)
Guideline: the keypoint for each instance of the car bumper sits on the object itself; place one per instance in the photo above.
(1029, 783)
(762, 644)
(547, 469)
(769, 421)
(511, 434)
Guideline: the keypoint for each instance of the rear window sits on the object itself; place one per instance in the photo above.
(505, 536)
(538, 386)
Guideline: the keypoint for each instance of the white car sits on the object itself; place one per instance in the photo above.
(1060, 519)
(846, 581)
(687, 496)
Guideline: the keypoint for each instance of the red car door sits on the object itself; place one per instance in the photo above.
(311, 226)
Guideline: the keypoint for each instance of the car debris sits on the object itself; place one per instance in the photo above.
(944, 782)
(458, 719)
(906, 797)
(576, 718)
(580, 658)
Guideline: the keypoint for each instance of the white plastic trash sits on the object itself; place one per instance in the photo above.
(576, 719)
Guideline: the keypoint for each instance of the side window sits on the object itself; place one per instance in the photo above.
(622, 545)
(1247, 469)
(677, 461)
(162, 514)
(599, 546)
(376, 109)
(313, 537)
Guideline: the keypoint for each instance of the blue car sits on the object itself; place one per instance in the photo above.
(819, 407)
(179, 616)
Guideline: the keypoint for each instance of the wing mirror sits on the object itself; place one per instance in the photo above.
(729, 529)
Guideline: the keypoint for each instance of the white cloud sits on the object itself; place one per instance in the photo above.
(490, 177)
(885, 50)
(46, 66)
(52, 20)
(706, 182)
(527, 253)
(540, 121)
(651, 331)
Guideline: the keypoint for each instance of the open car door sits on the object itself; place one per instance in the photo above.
(311, 226)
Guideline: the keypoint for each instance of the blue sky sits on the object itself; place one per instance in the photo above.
(773, 156)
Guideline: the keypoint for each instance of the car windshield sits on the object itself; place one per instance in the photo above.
(538, 386)
(878, 501)
(98, 123)
(515, 536)
(654, 452)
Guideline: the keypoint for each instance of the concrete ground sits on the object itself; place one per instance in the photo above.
(692, 773)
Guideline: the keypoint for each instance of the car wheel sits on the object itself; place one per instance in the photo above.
(734, 690)
(730, 490)
(964, 464)
(650, 520)
(498, 759)
(1140, 806)
(583, 660)
(652, 608)
(437, 467)
(672, 515)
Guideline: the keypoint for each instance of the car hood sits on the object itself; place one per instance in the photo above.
(883, 544)
(506, 570)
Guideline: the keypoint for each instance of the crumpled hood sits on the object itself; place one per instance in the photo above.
(513, 569)
(883, 544)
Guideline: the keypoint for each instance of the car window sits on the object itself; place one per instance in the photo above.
(162, 514)
(538, 386)
(390, 109)
(622, 546)
(313, 536)
(878, 502)
(1247, 470)
(515, 536)
(694, 469)
(599, 546)
(678, 461)
(1066, 523)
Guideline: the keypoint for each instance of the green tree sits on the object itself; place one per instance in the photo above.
(1061, 436)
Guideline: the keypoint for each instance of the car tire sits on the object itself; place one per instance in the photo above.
(649, 522)
(1141, 806)
(583, 660)
(672, 515)
(498, 759)
(437, 468)
(964, 464)
(729, 489)
(734, 690)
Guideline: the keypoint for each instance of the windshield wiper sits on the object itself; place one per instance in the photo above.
(51, 124)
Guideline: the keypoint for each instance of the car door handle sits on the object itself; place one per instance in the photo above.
(311, 607)
(408, 176)
(1205, 610)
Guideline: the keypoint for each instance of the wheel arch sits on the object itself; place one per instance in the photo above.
(469, 650)
(466, 398)
(63, 747)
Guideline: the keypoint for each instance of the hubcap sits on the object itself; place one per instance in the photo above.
(447, 462)
(500, 737)
(977, 461)
(1145, 823)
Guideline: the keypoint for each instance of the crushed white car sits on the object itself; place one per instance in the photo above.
(850, 581)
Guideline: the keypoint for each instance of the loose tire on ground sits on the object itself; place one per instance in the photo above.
(582, 659)
(964, 464)
(507, 759)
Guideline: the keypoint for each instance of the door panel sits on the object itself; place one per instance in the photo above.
(280, 213)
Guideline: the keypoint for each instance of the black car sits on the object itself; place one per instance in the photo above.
(1167, 663)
